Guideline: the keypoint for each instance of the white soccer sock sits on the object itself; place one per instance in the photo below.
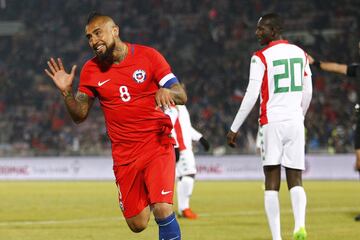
(272, 208)
(298, 202)
(184, 190)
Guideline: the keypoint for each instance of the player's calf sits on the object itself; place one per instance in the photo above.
(166, 219)
(169, 228)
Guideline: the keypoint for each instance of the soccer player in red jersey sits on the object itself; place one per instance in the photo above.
(134, 85)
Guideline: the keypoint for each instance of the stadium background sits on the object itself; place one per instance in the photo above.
(208, 44)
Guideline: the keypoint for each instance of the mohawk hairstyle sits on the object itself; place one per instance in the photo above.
(93, 15)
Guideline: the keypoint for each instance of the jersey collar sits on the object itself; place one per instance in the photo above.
(273, 43)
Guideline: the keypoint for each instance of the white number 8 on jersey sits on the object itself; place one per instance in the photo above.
(124, 93)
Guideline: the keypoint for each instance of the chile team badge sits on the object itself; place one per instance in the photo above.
(139, 76)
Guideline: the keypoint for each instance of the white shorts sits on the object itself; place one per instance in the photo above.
(283, 143)
(186, 164)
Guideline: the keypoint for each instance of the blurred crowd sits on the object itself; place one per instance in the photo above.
(208, 43)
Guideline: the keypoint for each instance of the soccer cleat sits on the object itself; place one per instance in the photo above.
(300, 234)
(189, 214)
(357, 218)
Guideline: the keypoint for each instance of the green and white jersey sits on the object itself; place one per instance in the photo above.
(280, 73)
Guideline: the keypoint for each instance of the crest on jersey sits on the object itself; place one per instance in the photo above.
(139, 76)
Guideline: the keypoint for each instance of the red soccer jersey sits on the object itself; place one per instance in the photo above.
(126, 92)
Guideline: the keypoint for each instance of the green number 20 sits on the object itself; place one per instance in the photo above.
(277, 77)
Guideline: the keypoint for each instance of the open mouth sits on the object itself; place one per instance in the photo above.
(100, 48)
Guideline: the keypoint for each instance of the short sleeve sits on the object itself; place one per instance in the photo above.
(162, 70)
(84, 87)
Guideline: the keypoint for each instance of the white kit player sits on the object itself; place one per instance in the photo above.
(281, 73)
(185, 166)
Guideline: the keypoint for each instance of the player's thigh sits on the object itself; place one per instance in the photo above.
(271, 144)
(186, 164)
(131, 189)
(294, 145)
(160, 175)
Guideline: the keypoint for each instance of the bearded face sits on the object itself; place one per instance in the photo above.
(101, 34)
(103, 50)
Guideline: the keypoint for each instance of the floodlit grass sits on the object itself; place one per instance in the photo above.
(228, 210)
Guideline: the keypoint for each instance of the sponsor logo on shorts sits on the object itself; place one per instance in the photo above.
(165, 192)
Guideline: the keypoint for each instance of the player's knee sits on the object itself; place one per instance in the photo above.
(162, 210)
(137, 226)
(272, 187)
(140, 221)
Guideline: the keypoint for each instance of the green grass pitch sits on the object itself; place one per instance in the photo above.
(228, 210)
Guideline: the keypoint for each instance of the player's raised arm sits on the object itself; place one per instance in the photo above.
(328, 66)
(175, 95)
(78, 107)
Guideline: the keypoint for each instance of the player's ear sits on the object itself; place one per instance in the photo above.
(115, 31)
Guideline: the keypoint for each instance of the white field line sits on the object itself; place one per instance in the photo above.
(214, 214)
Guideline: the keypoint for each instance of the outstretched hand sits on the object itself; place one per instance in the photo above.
(231, 138)
(61, 78)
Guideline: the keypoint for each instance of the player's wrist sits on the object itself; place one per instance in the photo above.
(67, 93)
(233, 129)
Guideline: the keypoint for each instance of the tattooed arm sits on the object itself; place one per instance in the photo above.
(175, 95)
(77, 106)
(178, 94)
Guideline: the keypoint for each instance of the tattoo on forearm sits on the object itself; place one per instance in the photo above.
(178, 94)
(81, 97)
(77, 107)
(67, 94)
(177, 99)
